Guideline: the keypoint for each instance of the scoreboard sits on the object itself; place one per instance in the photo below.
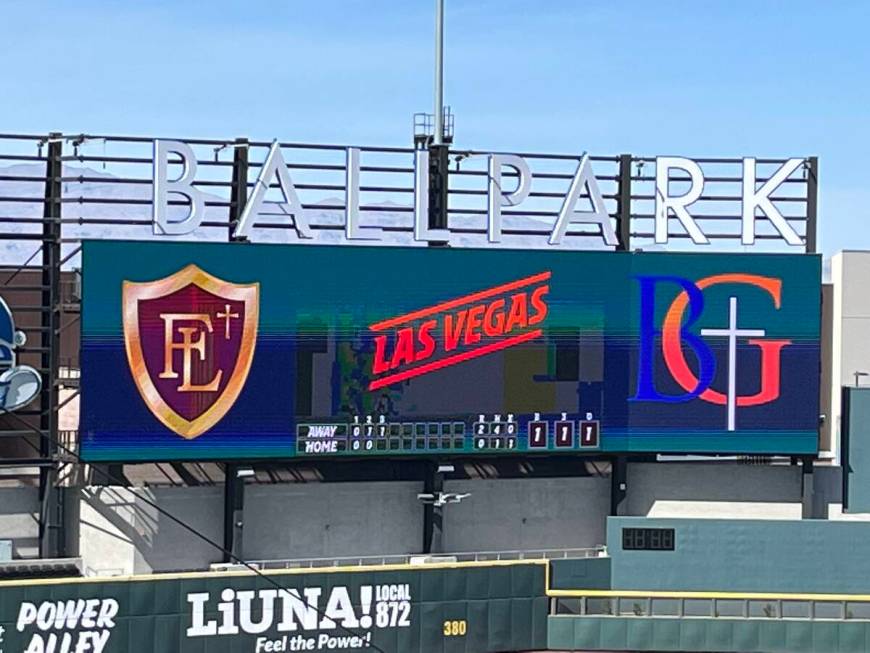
(494, 435)
(234, 351)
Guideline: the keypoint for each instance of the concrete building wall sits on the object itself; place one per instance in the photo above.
(19, 520)
(826, 430)
(714, 490)
(325, 520)
(828, 496)
(523, 514)
(106, 531)
(164, 545)
(850, 351)
(120, 534)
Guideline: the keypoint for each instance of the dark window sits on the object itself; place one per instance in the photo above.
(648, 539)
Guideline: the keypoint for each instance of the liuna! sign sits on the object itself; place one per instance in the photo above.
(756, 200)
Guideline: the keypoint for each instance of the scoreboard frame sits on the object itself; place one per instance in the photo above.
(783, 289)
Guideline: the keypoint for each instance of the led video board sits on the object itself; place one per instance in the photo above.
(235, 351)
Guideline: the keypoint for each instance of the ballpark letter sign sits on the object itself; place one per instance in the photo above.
(274, 173)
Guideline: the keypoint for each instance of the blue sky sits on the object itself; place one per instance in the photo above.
(692, 78)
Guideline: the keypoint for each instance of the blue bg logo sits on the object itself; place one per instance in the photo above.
(675, 333)
(19, 384)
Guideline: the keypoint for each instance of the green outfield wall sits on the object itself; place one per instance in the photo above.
(468, 608)
(694, 635)
(803, 556)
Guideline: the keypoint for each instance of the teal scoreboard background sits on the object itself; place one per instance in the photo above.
(236, 350)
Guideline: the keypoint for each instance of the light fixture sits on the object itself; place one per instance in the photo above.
(440, 499)
(244, 472)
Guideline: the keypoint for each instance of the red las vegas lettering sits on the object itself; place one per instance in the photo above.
(459, 329)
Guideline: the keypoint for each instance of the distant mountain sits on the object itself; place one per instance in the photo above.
(131, 203)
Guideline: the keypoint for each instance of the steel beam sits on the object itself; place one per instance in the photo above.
(433, 516)
(439, 164)
(807, 490)
(618, 485)
(812, 203)
(52, 542)
(623, 202)
(239, 185)
(234, 507)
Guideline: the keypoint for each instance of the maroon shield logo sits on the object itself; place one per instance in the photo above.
(190, 342)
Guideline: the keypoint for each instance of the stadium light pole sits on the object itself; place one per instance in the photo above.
(438, 136)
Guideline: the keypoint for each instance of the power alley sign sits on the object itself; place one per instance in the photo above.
(680, 184)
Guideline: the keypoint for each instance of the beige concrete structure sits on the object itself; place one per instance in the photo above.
(850, 336)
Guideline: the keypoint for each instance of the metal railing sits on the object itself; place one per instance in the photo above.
(403, 559)
(102, 188)
(757, 606)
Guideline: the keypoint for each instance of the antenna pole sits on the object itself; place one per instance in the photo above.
(438, 137)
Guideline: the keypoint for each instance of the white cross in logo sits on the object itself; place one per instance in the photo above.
(732, 333)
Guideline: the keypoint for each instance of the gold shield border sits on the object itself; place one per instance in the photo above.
(133, 292)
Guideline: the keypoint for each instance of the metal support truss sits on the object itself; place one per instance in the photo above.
(51, 526)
